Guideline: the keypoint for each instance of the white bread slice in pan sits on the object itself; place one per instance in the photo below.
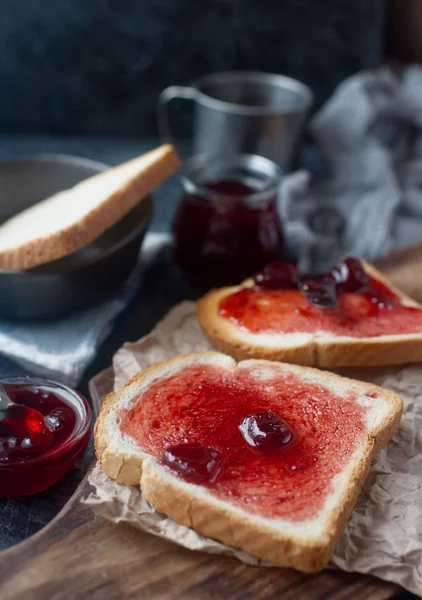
(305, 543)
(73, 218)
(319, 349)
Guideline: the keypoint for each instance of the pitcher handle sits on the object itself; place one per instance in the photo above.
(170, 93)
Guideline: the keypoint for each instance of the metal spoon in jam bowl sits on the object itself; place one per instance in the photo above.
(23, 430)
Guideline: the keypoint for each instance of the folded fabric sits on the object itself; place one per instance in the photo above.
(64, 348)
(369, 198)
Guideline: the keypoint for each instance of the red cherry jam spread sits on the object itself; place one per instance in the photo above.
(222, 239)
(344, 302)
(41, 436)
(272, 442)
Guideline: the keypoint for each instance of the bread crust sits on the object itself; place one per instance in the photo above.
(127, 469)
(167, 494)
(371, 352)
(233, 529)
(101, 218)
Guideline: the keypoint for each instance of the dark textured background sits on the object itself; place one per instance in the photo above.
(97, 66)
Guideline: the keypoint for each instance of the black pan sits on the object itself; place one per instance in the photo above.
(82, 279)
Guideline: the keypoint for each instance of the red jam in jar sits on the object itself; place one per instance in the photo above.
(35, 454)
(227, 225)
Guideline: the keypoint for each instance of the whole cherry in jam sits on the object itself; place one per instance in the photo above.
(22, 429)
(194, 462)
(277, 275)
(267, 431)
(319, 290)
(350, 276)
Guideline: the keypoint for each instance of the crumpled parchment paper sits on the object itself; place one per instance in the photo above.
(384, 534)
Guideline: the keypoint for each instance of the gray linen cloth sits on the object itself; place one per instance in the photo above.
(370, 136)
(368, 200)
(64, 348)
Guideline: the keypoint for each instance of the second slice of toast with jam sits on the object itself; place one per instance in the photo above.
(351, 316)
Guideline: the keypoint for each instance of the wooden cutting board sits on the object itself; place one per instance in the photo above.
(81, 556)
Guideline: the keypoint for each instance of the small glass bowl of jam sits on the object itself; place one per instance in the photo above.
(227, 224)
(67, 415)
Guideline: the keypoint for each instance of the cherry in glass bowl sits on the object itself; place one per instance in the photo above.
(66, 413)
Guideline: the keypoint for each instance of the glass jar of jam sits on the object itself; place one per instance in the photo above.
(227, 225)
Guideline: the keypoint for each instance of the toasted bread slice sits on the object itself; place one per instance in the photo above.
(318, 348)
(288, 508)
(73, 218)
